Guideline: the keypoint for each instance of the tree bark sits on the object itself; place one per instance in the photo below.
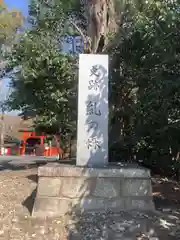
(102, 24)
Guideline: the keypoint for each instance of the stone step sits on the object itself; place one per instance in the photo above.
(53, 207)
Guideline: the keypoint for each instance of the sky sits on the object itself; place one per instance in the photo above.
(18, 4)
(22, 5)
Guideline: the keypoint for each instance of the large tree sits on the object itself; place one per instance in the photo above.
(143, 44)
(45, 81)
(10, 22)
(96, 21)
(145, 86)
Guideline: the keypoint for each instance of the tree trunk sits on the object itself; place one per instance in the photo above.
(102, 25)
(2, 133)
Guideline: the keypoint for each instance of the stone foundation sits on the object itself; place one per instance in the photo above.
(65, 188)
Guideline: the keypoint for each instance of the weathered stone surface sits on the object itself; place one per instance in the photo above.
(77, 187)
(136, 187)
(107, 188)
(49, 186)
(62, 170)
(139, 204)
(51, 207)
(116, 204)
(92, 189)
(97, 204)
(89, 204)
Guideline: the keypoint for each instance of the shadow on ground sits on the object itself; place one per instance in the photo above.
(29, 202)
(125, 226)
(33, 178)
(166, 193)
(162, 224)
(11, 166)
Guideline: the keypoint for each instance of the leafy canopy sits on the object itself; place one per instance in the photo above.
(144, 79)
(10, 22)
(146, 82)
(45, 79)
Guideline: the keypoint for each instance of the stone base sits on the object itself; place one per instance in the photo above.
(64, 189)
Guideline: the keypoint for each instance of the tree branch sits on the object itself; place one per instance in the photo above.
(85, 38)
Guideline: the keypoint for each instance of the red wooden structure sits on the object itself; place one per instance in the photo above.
(39, 145)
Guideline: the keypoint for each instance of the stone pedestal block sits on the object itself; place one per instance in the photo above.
(65, 188)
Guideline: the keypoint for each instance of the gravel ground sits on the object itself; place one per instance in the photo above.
(17, 191)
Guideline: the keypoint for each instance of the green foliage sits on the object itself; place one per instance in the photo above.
(45, 13)
(144, 80)
(145, 84)
(45, 80)
(10, 22)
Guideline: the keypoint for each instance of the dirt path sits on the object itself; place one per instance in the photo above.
(17, 192)
(16, 202)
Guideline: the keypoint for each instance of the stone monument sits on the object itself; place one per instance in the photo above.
(92, 137)
(92, 185)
